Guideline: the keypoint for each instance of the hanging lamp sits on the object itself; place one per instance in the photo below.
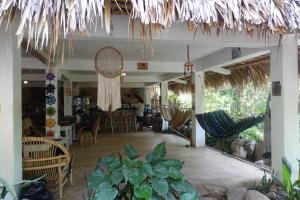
(188, 66)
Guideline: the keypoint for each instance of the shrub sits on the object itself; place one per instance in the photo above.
(158, 178)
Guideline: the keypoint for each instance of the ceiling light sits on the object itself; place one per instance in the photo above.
(25, 82)
(123, 74)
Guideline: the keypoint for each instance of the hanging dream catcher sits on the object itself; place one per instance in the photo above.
(109, 65)
(109, 62)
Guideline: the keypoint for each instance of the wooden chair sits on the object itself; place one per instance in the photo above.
(89, 134)
(45, 157)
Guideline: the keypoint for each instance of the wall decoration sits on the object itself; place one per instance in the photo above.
(50, 89)
(50, 76)
(236, 53)
(50, 133)
(50, 100)
(50, 111)
(50, 123)
(142, 66)
(276, 88)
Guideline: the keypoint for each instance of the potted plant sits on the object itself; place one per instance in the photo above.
(156, 178)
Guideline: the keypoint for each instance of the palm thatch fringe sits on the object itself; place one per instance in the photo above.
(41, 19)
(255, 71)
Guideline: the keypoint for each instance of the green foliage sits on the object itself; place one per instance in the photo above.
(158, 178)
(264, 184)
(183, 100)
(291, 188)
(253, 133)
(240, 103)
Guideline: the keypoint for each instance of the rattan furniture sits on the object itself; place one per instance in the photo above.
(46, 157)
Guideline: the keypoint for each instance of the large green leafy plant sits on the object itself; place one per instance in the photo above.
(158, 178)
(292, 189)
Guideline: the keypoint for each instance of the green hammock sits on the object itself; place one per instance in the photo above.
(219, 124)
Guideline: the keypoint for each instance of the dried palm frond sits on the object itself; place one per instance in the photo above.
(44, 21)
(255, 71)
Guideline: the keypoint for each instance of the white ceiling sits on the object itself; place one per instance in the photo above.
(170, 51)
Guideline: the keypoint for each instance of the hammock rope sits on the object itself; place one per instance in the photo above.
(219, 124)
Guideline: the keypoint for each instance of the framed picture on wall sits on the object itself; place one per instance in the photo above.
(276, 88)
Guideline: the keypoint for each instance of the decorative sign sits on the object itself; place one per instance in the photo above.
(236, 53)
(142, 66)
(276, 88)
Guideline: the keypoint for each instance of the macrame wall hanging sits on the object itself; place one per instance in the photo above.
(109, 65)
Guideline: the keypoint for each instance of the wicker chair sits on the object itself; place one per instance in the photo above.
(45, 157)
(89, 134)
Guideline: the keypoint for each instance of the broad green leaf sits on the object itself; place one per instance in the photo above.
(106, 191)
(173, 163)
(175, 174)
(160, 186)
(286, 174)
(158, 153)
(147, 169)
(144, 191)
(169, 196)
(135, 177)
(161, 171)
(125, 172)
(131, 152)
(133, 163)
(105, 161)
(95, 179)
(183, 186)
(116, 177)
(189, 196)
(115, 164)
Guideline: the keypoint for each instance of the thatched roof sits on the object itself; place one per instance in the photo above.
(256, 71)
(44, 21)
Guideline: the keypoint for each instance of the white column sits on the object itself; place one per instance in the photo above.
(164, 102)
(284, 108)
(10, 109)
(198, 134)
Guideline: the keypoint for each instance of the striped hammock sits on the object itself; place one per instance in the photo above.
(176, 116)
(219, 124)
